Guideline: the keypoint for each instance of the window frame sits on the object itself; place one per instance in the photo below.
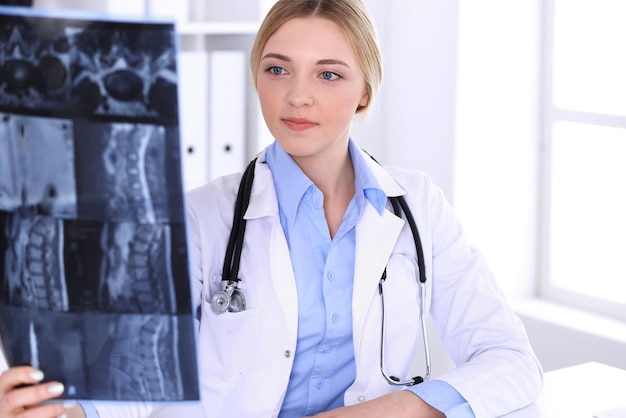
(550, 115)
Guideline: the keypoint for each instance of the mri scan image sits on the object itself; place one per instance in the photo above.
(122, 172)
(125, 71)
(94, 271)
(50, 264)
(37, 165)
(104, 356)
(33, 274)
(88, 68)
(35, 63)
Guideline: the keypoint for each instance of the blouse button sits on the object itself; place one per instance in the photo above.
(361, 398)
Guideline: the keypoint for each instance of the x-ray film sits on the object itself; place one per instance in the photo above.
(94, 274)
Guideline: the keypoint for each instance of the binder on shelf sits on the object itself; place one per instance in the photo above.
(123, 8)
(119, 7)
(227, 109)
(194, 114)
(223, 11)
(176, 10)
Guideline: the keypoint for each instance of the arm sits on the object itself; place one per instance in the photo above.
(444, 398)
(429, 401)
(76, 412)
(398, 404)
(497, 371)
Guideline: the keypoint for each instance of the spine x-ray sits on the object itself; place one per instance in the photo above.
(94, 275)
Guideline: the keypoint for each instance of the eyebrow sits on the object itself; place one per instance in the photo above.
(328, 61)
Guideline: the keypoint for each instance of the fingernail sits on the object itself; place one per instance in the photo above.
(56, 389)
(36, 375)
(62, 416)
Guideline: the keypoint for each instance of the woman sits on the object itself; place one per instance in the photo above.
(320, 234)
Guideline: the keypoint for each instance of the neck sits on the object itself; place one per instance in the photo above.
(332, 175)
(335, 179)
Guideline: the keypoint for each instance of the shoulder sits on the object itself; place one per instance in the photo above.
(218, 191)
(216, 199)
(417, 185)
(428, 203)
(408, 177)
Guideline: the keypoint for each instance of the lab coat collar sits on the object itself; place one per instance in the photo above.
(376, 234)
(263, 199)
(386, 182)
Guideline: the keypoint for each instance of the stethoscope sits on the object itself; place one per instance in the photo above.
(231, 297)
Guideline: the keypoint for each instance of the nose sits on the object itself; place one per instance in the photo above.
(300, 93)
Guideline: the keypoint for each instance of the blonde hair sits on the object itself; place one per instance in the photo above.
(351, 15)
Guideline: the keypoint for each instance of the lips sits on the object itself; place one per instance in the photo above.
(299, 124)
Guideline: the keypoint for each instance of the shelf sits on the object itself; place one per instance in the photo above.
(217, 28)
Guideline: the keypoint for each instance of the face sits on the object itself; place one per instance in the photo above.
(310, 84)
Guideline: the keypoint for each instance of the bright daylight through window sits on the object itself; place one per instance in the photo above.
(584, 140)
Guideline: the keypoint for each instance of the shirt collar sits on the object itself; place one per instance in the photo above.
(365, 183)
(292, 184)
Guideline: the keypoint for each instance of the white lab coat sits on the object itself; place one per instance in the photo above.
(246, 358)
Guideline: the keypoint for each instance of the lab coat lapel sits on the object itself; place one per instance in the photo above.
(284, 280)
(264, 204)
(376, 237)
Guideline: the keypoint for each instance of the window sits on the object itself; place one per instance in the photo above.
(583, 256)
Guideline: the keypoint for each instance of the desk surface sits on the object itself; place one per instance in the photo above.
(579, 392)
(573, 392)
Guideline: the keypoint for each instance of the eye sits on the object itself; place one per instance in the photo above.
(329, 75)
(276, 70)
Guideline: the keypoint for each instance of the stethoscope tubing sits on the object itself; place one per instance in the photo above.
(231, 299)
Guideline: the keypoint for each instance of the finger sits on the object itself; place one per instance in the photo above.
(46, 410)
(19, 375)
(28, 397)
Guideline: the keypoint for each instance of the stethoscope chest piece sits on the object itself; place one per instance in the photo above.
(229, 299)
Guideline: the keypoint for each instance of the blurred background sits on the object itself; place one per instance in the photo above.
(516, 108)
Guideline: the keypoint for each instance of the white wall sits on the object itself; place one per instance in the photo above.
(495, 185)
(413, 122)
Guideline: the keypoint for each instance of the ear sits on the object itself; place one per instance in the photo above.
(365, 100)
